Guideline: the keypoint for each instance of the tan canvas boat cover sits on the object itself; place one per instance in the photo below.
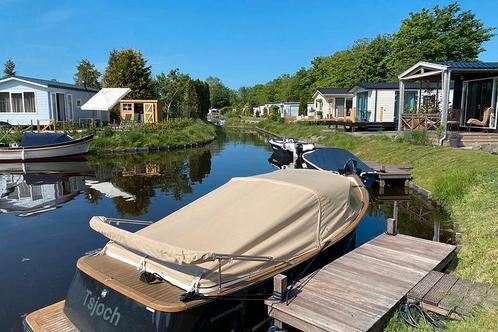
(283, 214)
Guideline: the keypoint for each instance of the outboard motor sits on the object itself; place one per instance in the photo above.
(299, 152)
(350, 167)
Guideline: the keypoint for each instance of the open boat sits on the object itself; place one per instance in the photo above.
(45, 146)
(289, 147)
(201, 265)
(339, 161)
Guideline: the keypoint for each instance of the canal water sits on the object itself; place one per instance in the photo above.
(45, 209)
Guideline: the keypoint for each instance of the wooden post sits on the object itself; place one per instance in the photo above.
(392, 226)
(381, 114)
(401, 104)
(279, 286)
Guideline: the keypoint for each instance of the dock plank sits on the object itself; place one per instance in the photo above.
(358, 290)
(418, 292)
(436, 294)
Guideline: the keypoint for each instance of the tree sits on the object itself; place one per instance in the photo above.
(87, 75)
(128, 69)
(170, 88)
(219, 93)
(303, 106)
(440, 34)
(9, 68)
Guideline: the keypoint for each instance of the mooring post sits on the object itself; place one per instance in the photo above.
(392, 226)
(279, 287)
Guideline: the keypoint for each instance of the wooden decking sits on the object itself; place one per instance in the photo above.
(357, 291)
(387, 172)
(452, 296)
(50, 319)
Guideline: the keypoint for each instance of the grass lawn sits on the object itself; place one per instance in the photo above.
(175, 131)
(466, 183)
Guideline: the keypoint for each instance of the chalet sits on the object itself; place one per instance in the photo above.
(25, 101)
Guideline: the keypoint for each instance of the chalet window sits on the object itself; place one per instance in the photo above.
(16, 102)
(4, 102)
(127, 107)
(78, 102)
(29, 102)
(429, 101)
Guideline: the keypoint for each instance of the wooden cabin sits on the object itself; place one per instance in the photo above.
(139, 110)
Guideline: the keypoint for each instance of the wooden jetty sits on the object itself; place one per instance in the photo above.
(387, 172)
(452, 296)
(358, 291)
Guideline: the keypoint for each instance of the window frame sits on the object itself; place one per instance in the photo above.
(12, 104)
(24, 102)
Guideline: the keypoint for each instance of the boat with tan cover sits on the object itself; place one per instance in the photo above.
(200, 268)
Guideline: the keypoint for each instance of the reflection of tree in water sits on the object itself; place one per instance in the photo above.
(93, 196)
(237, 136)
(139, 174)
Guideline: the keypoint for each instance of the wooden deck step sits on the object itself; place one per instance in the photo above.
(452, 296)
(50, 319)
(359, 290)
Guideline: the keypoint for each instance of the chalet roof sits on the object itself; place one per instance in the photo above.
(48, 83)
(468, 65)
(395, 85)
(333, 91)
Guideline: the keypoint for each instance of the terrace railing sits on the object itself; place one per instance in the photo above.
(420, 121)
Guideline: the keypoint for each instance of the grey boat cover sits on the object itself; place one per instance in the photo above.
(286, 214)
(37, 139)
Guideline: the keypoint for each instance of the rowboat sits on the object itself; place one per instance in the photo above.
(44, 147)
(199, 268)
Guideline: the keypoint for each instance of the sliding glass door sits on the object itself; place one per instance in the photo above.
(339, 107)
(478, 95)
(362, 106)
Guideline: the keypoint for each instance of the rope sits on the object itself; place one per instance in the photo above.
(405, 311)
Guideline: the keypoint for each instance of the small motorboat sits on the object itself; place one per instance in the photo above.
(289, 147)
(199, 268)
(44, 147)
(339, 161)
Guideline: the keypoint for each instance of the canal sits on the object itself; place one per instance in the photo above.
(45, 209)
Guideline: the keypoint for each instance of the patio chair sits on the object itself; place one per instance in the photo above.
(485, 118)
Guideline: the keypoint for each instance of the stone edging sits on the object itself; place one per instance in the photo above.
(172, 147)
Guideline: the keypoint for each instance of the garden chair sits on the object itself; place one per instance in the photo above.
(485, 119)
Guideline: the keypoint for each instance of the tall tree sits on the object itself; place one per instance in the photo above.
(440, 34)
(303, 106)
(87, 75)
(220, 94)
(170, 89)
(9, 68)
(128, 69)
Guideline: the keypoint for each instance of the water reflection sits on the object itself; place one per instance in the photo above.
(27, 189)
(130, 180)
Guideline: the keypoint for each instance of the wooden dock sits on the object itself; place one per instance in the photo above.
(387, 172)
(452, 296)
(358, 291)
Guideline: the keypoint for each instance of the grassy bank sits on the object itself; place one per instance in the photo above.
(465, 181)
(176, 131)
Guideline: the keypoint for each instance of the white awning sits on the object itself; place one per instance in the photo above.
(105, 99)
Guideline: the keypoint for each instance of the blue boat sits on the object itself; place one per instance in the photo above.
(339, 161)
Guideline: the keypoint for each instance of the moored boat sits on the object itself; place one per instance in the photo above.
(289, 147)
(195, 269)
(45, 146)
(339, 161)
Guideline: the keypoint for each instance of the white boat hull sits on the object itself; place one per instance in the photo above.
(72, 149)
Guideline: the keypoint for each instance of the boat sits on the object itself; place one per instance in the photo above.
(289, 147)
(198, 268)
(339, 161)
(44, 147)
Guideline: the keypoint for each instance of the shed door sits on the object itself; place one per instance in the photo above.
(149, 113)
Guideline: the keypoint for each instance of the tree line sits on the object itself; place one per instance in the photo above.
(438, 34)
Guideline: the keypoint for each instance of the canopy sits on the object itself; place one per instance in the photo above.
(335, 159)
(105, 99)
(283, 215)
(36, 139)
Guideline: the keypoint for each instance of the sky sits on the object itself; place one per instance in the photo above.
(240, 41)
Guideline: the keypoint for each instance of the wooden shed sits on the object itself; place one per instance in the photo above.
(139, 110)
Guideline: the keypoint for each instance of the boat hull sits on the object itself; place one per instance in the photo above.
(213, 315)
(72, 150)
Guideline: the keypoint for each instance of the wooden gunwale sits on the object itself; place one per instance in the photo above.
(146, 295)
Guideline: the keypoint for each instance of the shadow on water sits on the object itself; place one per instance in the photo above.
(45, 209)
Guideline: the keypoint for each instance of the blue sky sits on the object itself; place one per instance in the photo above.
(242, 42)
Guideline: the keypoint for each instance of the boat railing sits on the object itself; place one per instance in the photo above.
(118, 221)
(221, 257)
